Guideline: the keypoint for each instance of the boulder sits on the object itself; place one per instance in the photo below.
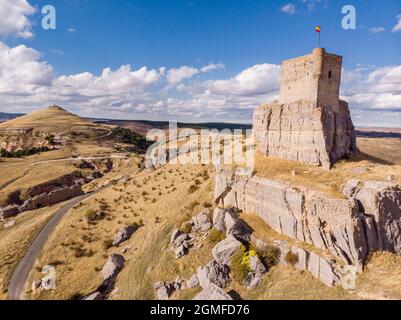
(175, 234)
(180, 251)
(96, 296)
(163, 290)
(225, 250)
(252, 280)
(202, 222)
(237, 227)
(180, 239)
(9, 224)
(212, 292)
(9, 211)
(113, 266)
(213, 273)
(36, 285)
(257, 265)
(193, 282)
(123, 235)
(350, 187)
(218, 219)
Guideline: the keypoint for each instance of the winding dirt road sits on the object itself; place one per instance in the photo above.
(21, 273)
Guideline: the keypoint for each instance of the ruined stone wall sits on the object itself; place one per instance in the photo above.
(348, 228)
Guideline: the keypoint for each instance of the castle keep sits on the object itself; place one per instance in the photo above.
(309, 123)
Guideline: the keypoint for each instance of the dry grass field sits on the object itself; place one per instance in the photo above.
(378, 160)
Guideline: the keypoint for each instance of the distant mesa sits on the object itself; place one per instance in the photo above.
(309, 123)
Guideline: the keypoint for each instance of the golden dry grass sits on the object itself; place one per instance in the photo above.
(331, 181)
(159, 199)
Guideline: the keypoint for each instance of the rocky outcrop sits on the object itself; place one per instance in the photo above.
(9, 211)
(212, 292)
(228, 222)
(213, 273)
(304, 132)
(380, 208)
(53, 197)
(111, 269)
(224, 251)
(337, 225)
(123, 235)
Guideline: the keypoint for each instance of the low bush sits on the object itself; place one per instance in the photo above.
(291, 258)
(216, 236)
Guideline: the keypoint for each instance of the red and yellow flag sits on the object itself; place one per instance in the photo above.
(318, 29)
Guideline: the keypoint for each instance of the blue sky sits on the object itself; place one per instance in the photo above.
(241, 42)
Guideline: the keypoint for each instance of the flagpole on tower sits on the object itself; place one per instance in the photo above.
(318, 29)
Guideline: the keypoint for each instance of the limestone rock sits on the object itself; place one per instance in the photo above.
(9, 211)
(225, 250)
(213, 273)
(382, 202)
(193, 282)
(96, 296)
(113, 266)
(256, 265)
(123, 235)
(212, 292)
(175, 234)
(218, 219)
(202, 222)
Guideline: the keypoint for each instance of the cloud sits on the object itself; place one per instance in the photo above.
(397, 27)
(288, 8)
(211, 67)
(375, 30)
(14, 18)
(21, 70)
(257, 80)
(71, 30)
(311, 4)
(176, 75)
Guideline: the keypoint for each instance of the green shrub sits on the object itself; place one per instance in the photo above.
(187, 227)
(291, 258)
(107, 244)
(240, 264)
(215, 236)
(193, 189)
(270, 256)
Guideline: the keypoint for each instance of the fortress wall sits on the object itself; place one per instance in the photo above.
(329, 81)
(299, 79)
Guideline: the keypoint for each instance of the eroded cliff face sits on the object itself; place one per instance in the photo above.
(369, 219)
(12, 140)
(304, 132)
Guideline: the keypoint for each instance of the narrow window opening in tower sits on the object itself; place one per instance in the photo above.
(329, 74)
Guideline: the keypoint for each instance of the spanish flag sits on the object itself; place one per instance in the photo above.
(318, 29)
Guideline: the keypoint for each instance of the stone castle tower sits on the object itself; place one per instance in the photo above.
(309, 123)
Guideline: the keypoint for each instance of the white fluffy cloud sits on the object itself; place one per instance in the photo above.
(176, 75)
(21, 70)
(14, 18)
(258, 80)
(288, 8)
(397, 27)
